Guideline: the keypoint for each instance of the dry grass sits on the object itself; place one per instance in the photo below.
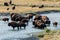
(52, 36)
(30, 2)
(23, 9)
(48, 35)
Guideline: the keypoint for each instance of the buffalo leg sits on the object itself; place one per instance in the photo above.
(24, 27)
(18, 28)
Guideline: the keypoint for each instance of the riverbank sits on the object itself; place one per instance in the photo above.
(21, 9)
(51, 35)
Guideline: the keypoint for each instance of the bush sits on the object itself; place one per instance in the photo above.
(41, 36)
(47, 30)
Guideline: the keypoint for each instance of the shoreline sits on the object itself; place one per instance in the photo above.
(38, 12)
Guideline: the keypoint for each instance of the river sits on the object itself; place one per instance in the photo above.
(7, 33)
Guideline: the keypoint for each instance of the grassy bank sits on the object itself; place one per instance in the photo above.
(48, 35)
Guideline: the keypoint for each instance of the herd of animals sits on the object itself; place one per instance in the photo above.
(14, 6)
(18, 21)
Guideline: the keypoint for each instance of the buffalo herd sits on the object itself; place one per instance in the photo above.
(18, 21)
(41, 21)
(5, 19)
(37, 6)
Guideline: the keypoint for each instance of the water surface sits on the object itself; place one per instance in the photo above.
(6, 32)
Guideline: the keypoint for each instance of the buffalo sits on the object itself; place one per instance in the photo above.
(18, 25)
(13, 8)
(46, 20)
(7, 8)
(39, 24)
(30, 15)
(13, 25)
(41, 21)
(55, 23)
(10, 2)
(22, 24)
(14, 16)
(37, 17)
(6, 4)
(41, 6)
(5, 19)
(34, 6)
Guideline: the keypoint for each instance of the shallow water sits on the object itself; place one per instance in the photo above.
(7, 33)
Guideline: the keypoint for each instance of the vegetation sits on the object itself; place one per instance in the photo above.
(49, 35)
(47, 30)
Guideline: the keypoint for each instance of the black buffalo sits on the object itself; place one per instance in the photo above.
(39, 24)
(5, 19)
(13, 25)
(18, 25)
